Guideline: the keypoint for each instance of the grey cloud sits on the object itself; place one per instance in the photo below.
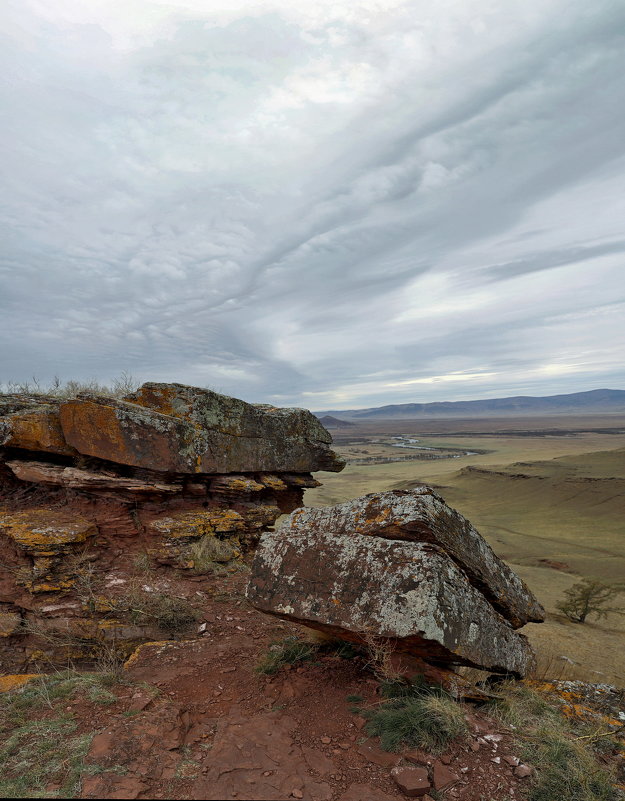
(188, 210)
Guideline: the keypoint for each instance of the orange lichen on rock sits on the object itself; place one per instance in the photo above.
(15, 681)
(191, 525)
(129, 434)
(136, 654)
(37, 429)
(272, 482)
(45, 530)
(236, 484)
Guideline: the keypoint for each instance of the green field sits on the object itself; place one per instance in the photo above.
(550, 499)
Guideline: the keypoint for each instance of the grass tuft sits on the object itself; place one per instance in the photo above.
(565, 769)
(566, 765)
(209, 554)
(426, 721)
(286, 652)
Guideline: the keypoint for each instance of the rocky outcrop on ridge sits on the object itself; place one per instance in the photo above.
(92, 486)
(403, 566)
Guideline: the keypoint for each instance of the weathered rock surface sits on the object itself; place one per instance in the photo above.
(414, 594)
(129, 434)
(32, 427)
(96, 492)
(420, 515)
(181, 429)
(75, 478)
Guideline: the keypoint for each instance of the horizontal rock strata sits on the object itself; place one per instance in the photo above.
(176, 479)
(400, 566)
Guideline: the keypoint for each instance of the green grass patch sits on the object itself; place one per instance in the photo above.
(39, 753)
(414, 687)
(17, 707)
(426, 721)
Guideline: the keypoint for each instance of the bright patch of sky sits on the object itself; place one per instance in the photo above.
(329, 204)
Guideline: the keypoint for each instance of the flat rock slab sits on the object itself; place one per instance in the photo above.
(413, 782)
(180, 429)
(410, 593)
(420, 515)
(74, 478)
(45, 530)
(255, 758)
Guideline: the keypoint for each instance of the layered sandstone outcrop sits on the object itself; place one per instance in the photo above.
(403, 566)
(170, 476)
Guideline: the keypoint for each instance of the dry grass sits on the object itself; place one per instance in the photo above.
(120, 386)
(562, 752)
(209, 554)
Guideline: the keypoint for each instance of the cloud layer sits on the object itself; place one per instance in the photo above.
(330, 204)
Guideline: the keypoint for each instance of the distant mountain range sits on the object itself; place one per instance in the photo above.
(596, 401)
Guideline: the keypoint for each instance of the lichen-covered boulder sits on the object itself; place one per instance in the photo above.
(179, 429)
(420, 515)
(239, 436)
(354, 582)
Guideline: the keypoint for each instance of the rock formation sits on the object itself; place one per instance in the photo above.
(402, 566)
(92, 486)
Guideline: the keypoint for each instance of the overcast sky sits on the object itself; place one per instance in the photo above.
(326, 204)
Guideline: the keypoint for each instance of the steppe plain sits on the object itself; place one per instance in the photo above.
(548, 493)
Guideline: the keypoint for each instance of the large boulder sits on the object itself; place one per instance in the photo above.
(181, 429)
(240, 436)
(357, 578)
(420, 515)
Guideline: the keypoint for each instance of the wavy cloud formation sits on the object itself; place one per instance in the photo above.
(330, 204)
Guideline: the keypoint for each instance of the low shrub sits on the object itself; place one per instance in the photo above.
(168, 612)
